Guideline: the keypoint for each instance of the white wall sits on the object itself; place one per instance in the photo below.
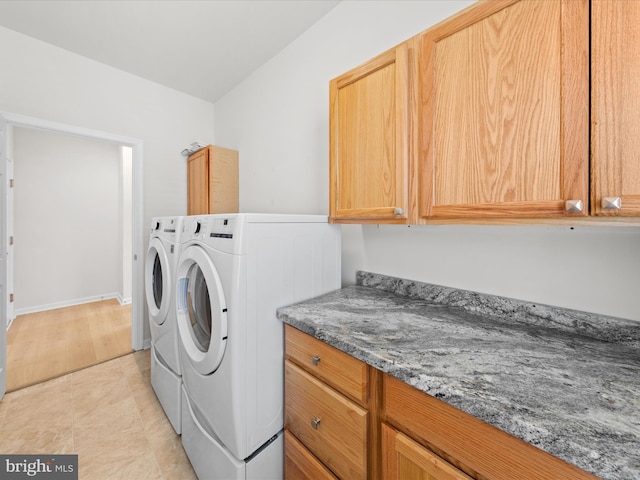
(46, 82)
(278, 120)
(66, 220)
(43, 81)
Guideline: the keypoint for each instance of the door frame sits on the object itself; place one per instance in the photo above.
(137, 287)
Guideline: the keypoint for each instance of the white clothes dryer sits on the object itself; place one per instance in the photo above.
(233, 273)
(160, 271)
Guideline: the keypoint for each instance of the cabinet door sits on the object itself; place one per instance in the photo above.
(369, 140)
(404, 459)
(615, 107)
(198, 183)
(505, 111)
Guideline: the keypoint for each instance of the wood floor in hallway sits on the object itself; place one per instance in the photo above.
(46, 345)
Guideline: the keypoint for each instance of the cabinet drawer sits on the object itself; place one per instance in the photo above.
(300, 464)
(346, 374)
(332, 427)
(472, 445)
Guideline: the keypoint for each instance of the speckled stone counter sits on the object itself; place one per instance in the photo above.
(565, 381)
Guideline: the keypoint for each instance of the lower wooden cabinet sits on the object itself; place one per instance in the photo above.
(348, 420)
(405, 459)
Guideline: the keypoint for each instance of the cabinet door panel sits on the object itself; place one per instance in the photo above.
(369, 140)
(505, 111)
(616, 105)
(404, 459)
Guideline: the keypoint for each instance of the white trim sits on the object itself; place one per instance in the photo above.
(67, 303)
(137, 323)
(123, 301)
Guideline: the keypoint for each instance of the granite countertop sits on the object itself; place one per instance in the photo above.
(565, 381)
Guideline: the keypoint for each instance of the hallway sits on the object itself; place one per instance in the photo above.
(48, 344)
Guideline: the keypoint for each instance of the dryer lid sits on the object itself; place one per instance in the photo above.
(201, 310)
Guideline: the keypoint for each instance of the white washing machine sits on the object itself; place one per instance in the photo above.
(160, 272)
(233, 273)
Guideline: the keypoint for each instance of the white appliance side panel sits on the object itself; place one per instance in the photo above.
(210, 460)
(269, 463)
(286, 263)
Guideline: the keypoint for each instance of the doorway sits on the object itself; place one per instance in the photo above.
(72, 230)
(9, 123)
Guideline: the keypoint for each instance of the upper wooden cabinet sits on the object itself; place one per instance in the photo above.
(212, 181)
(615, 107)
(370, 121)
(509, 110)
(505, 112)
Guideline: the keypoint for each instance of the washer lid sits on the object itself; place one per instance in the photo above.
(157, 281)
(201, 310)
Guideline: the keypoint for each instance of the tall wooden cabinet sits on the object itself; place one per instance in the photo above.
(370, 121)
(212, 181)
(510, 110)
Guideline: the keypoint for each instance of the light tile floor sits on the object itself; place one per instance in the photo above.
(108, 414)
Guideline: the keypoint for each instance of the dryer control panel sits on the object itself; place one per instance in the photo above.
(222, 232)
(222, 227)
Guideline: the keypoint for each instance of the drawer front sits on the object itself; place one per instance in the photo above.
(300, 464)
(470, 444)
(331, 426)
(343, 372)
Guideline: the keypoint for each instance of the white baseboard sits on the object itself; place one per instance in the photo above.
(123, 301)
(66, 303)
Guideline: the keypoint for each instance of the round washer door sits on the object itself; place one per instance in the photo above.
(157, 281)
(201, 310)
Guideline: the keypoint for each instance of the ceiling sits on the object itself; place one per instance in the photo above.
(203, 48)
